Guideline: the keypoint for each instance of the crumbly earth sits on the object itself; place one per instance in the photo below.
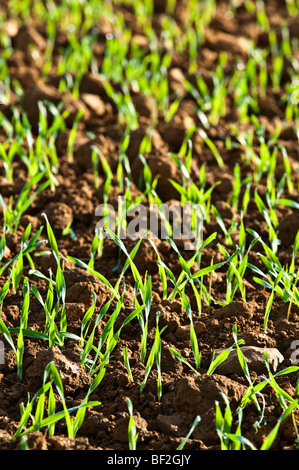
(161, 424)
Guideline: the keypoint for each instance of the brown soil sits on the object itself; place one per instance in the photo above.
(161, 424)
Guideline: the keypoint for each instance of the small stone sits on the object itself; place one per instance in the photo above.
(169, 363)
(234, 309)
(121, 428)
(12, 312)
(199, 327)
(11, 28)
(72, 374)
(81, 292)
(75, 311)
(237, 45)
(174, 305)
(94, 103)
(27, 36)
(6, 254)
(60, 215)
(167, 424)
(176, 424)
(255, 360)
(27, 219)
(225, 210)
(144, 105)
(163, 167)
(197, 396)
(182, 333)
(288, 228)
(36, 93)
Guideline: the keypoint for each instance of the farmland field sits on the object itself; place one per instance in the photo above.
(110, 110)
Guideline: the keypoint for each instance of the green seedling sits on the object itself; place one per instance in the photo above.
(194, 425)
(48, 54)
(226, 231)
(224, 423)
(59, 281)
(155, 355)
(78, 58)
(94, 357)
(144, 319)
(216, 361)
(8, 151)
(96, 249)
(127, 115)
(52, 309)
(69, 231)
(127, 364)
(4, 291)
(41, 155)
(13, 211)
(56, 287)
(210, 107)
(17, 262)
(280, 279)
(132, 430)
(150, 183)
(181, 358)
(86, 320)
(203, 104)
(272, 232)
(89, 347)
(162, 273)
(129, 262)
(123, 170)
(37, 416)
(285, 400)
(7, 332)
(72, 136)
(212, 147)
(218, 102)
(193, 339)
(186, 276)
(238, 265)
(98, 275)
